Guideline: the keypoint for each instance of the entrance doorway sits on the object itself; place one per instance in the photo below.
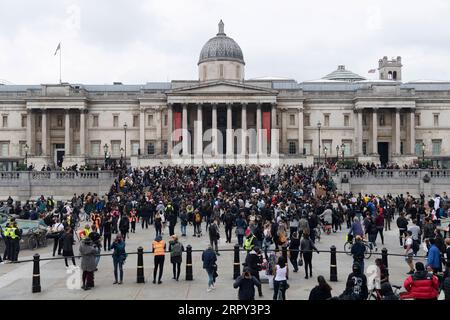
(383, 151)
(59, 152)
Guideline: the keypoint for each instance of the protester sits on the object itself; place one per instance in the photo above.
(322, 291)
(67, 246)
(176, 254)
(306, 249)
(88, 265)
(119, 256)
(209, 259)
(422, 285)
(246, 284)
(158, 249)
(280, 279)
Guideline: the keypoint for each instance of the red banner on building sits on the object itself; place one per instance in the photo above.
(177, 125)
(266, 125)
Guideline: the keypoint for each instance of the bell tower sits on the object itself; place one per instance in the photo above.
(390, 69)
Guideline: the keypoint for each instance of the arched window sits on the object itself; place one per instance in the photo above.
(390, 75)
(394, 75)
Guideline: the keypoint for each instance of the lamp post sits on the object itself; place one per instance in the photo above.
(423, 153)
(325, 152)
(318, 127)
(342, 150)
(25, 148)
(337, 153)
(105, 148)
(125, 129)
(121, 154)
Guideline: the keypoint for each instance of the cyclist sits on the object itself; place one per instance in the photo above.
(327, 217)
(358, 250)
(422, 285)
(356, 229)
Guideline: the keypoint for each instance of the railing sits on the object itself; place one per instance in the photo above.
(57, 175)
(395, 173)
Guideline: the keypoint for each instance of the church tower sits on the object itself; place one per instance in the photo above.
(390, 69)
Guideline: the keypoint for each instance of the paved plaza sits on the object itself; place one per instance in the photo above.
(58, 283)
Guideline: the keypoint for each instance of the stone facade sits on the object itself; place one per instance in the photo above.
(371, 120)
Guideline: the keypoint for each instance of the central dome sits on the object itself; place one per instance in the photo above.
(221, 47)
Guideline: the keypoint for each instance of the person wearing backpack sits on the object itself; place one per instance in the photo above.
(197, 224)
(176, 254)
(214, 236)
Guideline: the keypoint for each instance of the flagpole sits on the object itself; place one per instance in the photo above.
(60, 65)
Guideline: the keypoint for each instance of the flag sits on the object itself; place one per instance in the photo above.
(372, 70)
(58, 48)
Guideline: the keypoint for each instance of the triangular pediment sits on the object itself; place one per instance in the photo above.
(222, 87)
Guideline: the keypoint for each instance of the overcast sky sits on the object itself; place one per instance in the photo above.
(143, 41)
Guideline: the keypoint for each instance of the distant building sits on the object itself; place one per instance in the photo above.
(370, 120)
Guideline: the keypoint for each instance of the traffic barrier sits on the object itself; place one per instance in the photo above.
(189, 276)
(36, 287)
(284, 252)
(384, 257)
(140, 265)
(333, 264)
(237, 264)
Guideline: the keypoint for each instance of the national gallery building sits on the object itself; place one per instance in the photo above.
(223, 117)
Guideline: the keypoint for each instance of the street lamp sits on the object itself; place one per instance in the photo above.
(25, 148)
(105, 148)
(318, 127)
(325, 152)
(423, 153)
(125, 129)
(343, 149)
(337, 153)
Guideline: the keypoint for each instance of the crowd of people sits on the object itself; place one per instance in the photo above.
(265, 208)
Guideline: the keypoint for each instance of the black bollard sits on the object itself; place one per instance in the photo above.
(140, 266)
(384, 257)
(333, 264)
(189, 263)
(284, 252)
(36, 274)
(237, 264)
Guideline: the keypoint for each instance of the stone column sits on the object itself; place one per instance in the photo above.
(44, 133)
(273, 130)
(214, 129)
(31, 135)
(158, 118)
(142, 131)
(169, 128)
(230, 150)
(185, 143)
(244, 129)
(259, 147)
(397, 131)
(412, 132)
(199, 133)
(300, 131)
(67, 140)
(374, 131)
(284, 123)
(359, 130)
(83, 132)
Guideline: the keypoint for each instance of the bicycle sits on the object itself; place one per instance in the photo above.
(349, 244)
(375, 294)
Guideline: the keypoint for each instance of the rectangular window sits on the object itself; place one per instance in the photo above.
(76, 148)
(115, 148)
(95, 121)
(95, 148)
(306, 120)
(134, 148)
(418, 148)
(150, 120)
(436, 147)
(364, 148)
(5, 121)
(165, 147)
(402, 143)
(417, 120)
(292, 147)
(135, 121)
(307, 146)
(59, 121)
(381, 121)
(326, 120)
(292, 120)
(22, 148)
(436, 120)
(115, 121)
(23, 121)
(4, 148)
(346, 120)
(151, 147)
(347, 147)
(326, 145)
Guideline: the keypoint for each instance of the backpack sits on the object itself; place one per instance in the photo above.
(198, 217)
(177, 250)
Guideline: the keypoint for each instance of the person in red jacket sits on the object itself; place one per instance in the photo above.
(421, 285)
